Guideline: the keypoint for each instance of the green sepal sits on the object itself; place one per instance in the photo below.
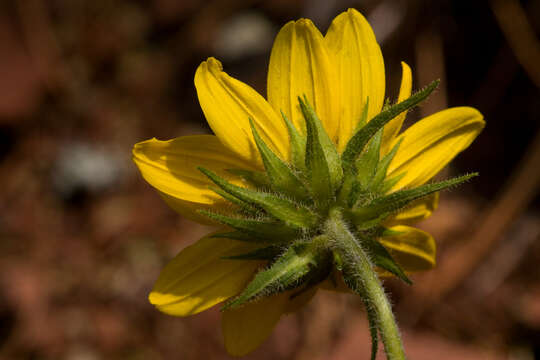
(359, 140)
(317, 275)
(363, 117)
(289, 269)
(389, 183)
(387, 104)
(266, 253)
(368, 224)
(383, 206)
(347, 188)
(357, 192)
(248, 235)
(382, 168)
(382, 258)
(324, 261)
(255, 178)
(366, 164)
(251, 230)
(290, 213)
(245, 208)
(322, 159)
(351, 190)
(297, 143)
(281, 177)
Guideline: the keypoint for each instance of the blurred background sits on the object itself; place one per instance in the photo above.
(83, 237)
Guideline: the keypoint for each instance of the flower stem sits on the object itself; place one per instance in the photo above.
(360, 276)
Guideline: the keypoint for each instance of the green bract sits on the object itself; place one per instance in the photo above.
(315, 186)
(294, 208)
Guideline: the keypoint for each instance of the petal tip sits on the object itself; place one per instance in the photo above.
(473, 113)
(305, 25)
(139, 147)
(210, 65)
(405, 66)
(153, 298)
(212, 61)
(285, 28)
(303, 21)
(356, 15)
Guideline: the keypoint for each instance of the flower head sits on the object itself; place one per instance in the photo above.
(277, 172)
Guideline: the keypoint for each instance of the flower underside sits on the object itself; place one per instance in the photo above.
(320, 197)
(288, 209)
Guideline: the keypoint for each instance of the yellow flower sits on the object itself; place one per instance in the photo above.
(339, 74)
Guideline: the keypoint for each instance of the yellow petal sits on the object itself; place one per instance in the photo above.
(413, 249)
(198, 278)
(433, 142)
(359, 66)
(392, 128)
(171, 167)
(300, 65)
(228, 104)
(419, 210)
(245, 328)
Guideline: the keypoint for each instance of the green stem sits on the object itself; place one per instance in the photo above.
(360, 276)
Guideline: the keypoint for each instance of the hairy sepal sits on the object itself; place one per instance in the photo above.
(371, 170)
(382, 258)
(256, 179)
(389, 183)
(348, 187)
(322, 159)
(366, 164)
(244, 207)
(289, 269)
(297, 143)
(363, 117)
(253, 230)
(377, 181)
(383, 206)
(359, 140)
(291, 213)
(282, 178)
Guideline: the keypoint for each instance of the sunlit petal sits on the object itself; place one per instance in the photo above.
(228, 104)
(198, 278)
(430, 144)
(171, 167)
(300, 65)
(359, 65)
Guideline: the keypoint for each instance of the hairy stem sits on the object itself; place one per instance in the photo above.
(360, 276)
